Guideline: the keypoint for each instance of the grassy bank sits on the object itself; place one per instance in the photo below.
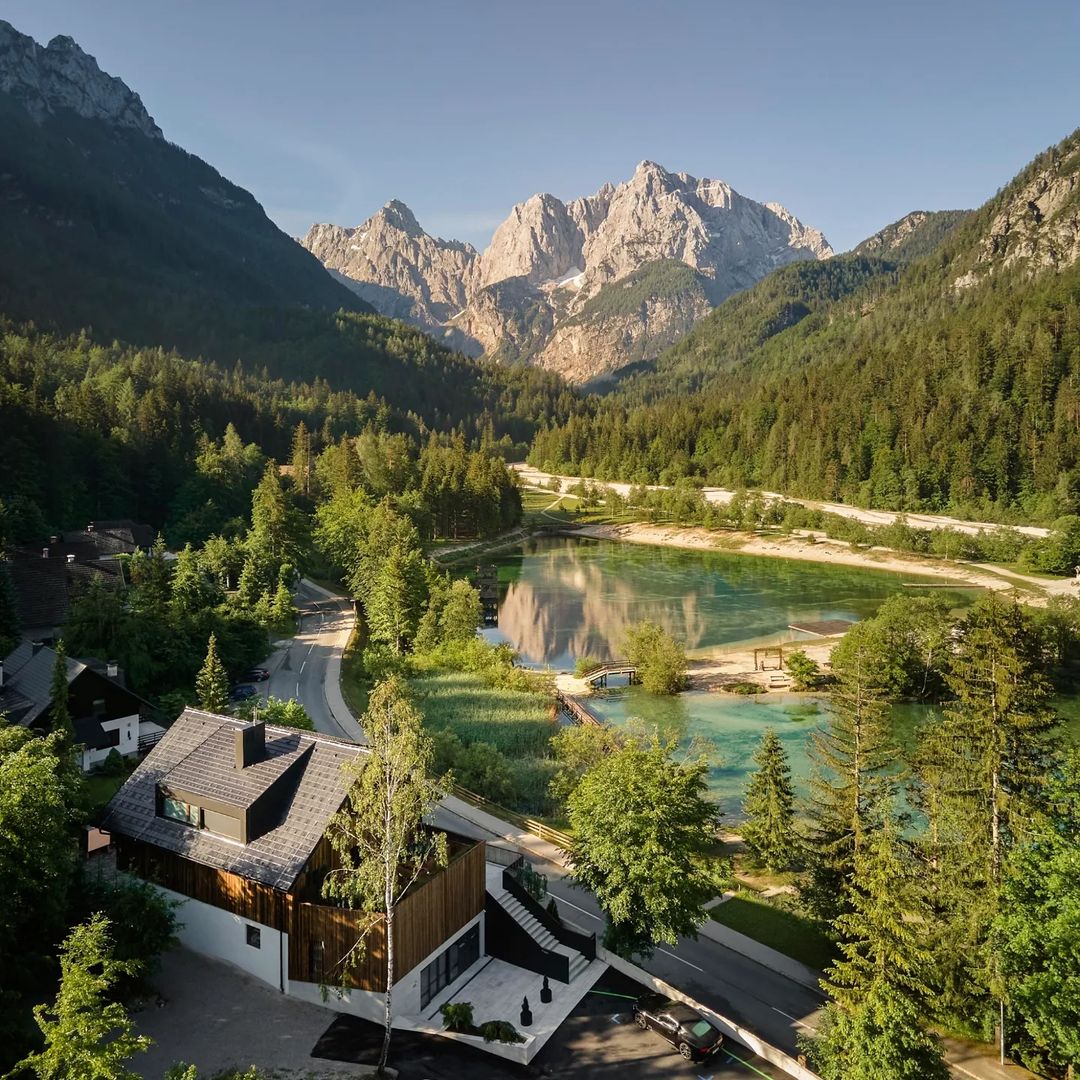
(355, 684)
(516, 724)
(786, 932)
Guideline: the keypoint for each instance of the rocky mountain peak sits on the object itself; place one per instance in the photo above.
(398, 215)
(675, 243)
(62, 76)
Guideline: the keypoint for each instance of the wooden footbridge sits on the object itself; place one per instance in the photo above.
(599, 676)
(575, 710)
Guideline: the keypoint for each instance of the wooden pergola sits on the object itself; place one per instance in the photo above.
(765, 652)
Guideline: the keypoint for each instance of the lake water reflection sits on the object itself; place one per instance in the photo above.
(561, 598)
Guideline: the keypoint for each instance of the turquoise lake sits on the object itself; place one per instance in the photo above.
(561, 598)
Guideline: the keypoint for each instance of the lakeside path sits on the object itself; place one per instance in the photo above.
(535, 478)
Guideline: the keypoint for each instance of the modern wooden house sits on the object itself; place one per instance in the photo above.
(229, 818)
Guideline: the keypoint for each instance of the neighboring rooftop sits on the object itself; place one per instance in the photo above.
(199, 751)
(25, 690)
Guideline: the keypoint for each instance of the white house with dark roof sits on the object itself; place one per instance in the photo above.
(105, 714)
(229, 818)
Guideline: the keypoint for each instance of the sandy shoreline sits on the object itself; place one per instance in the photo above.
(837, 552)
(725, 666)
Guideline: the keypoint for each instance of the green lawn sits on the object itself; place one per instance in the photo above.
(782, 930)
(516, 722)
(99, 790)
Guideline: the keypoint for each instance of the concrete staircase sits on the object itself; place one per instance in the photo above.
(534, 928)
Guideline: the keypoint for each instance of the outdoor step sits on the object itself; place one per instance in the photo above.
(577, 965)
(531, 925)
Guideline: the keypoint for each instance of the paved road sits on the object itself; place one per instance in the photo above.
(300, 669)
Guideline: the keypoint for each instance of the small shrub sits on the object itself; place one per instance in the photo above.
(458, 1016)
(745, 688)
(804, 671)
(584, 664)
(501, 1031)
(113, 765)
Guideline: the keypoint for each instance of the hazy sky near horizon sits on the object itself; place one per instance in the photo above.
(849, 113)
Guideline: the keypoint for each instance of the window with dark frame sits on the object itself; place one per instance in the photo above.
(449, 965)
(254, 936)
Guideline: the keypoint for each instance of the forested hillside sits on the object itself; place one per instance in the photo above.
(951, 384)
(93, 431)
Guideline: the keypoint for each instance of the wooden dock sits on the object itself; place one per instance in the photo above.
(825, 628)
(942, 585)
(575, 710)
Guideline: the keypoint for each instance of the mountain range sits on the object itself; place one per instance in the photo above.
(107, 224)
(582, 288)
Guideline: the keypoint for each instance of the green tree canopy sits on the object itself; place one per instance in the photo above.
(769, 807)
(643, 825)
(660, 660)
(212, 682)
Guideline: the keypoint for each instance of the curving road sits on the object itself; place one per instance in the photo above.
(308, 666)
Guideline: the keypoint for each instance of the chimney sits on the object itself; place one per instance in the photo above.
(44, 553)
(36, 647)
(70, 558)
(250, 744)
(112, 669)
(90, 527)
(54, 539)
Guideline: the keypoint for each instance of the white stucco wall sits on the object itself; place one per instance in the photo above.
(213, 932)
(128, 727)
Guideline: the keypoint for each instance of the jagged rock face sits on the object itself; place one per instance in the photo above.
(1038, 228)
(893, 236)
(394, 265)
(586, 349)
(62, 76)
(527, 297)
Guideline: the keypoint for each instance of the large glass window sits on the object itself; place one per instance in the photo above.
(183, 812)
(451, 963)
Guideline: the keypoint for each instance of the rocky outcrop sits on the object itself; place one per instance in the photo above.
(399, 269)
(530, 295)
(62, 76)
(1038, 225)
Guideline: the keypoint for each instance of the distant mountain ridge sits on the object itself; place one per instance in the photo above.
(107, 224)
(531, 294)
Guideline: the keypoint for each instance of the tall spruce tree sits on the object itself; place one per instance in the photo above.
(769, 806)
(212, 682)
(852, 759)
(59, 712)
(981, 779)
(874, 1026)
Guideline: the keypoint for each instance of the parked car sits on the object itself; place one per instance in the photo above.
(685, 1028)
(242, 692)
(257, 674)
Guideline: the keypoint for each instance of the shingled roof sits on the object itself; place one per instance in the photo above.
(199, 749)
(27, 686)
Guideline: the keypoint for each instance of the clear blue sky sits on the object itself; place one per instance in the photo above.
(850, 112)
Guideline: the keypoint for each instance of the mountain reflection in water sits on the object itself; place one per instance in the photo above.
(563, 597)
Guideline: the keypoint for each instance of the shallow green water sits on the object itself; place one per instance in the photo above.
(733, 725)
(561, 598)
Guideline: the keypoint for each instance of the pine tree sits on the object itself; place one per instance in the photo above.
(302, 459)
(851, 760)
(59, 713)
(191, 592)
(212, 682)
(769, 806)
(86, 1034)
(873, 1028)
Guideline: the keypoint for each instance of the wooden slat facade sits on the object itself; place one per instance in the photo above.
(320, 936)
(248, 899)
